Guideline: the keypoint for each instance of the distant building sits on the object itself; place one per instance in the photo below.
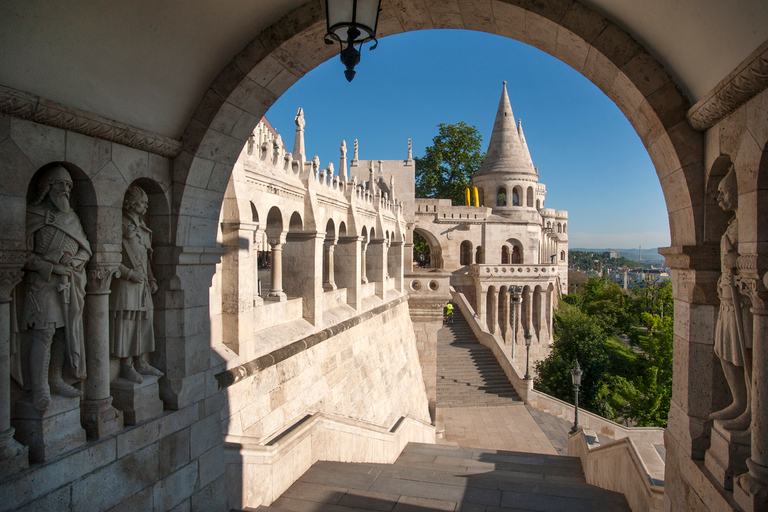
(612, 254)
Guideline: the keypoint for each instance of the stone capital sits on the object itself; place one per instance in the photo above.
(100, 278)
(692, 257)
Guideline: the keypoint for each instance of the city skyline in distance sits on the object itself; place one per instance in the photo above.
(589, 156)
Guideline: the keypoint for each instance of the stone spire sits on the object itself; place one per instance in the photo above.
(506, 154)
(410, 150)
(526, 152)
(343, 162)
(299, 153)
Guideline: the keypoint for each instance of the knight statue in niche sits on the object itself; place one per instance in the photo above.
(733, 331)
(51, 317)
(131, 310)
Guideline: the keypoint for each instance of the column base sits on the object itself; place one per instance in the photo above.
(139, 402)
(99, 418)
(727, 455)
(329, 286)
(14, 457)
(751, 490)
(277, 297)
(55, 431)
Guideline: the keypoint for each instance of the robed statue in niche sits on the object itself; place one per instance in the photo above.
(53, 294)
(733, 331)
(132, 337)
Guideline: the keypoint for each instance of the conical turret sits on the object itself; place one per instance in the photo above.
(526, 152)
(506, 153)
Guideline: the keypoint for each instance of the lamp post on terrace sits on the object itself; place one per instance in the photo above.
(576, 379)
(351, 22)
(528, 338)
(516, 298)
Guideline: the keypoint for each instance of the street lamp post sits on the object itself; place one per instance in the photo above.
(516, 292)
(576, 379)
(528, 338)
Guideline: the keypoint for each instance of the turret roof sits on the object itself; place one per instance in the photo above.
(506, 152)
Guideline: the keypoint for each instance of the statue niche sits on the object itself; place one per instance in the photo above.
(53, 293)
(132, 336)
(733, 331)
(131, 310)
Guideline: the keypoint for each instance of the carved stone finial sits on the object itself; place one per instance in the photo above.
(354, 157)
(410, 150)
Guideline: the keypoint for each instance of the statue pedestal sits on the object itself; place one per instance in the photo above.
(727, 455)
(100, 419)
(139, 402)
(13, 456)
(52, 432)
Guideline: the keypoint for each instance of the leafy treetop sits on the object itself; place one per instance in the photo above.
(448, 165)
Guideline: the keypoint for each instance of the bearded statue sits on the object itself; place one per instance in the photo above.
(53, 291)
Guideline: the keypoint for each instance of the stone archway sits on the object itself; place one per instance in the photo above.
(578, 36)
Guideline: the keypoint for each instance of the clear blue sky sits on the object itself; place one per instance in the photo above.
(590, 158)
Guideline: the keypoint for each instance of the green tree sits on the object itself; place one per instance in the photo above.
(576, 337)
(448, 165)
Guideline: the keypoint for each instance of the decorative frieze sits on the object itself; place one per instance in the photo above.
(743, 84)
(40, 110)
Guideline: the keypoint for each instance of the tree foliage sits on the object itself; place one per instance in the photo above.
(448, 165)
(631, 385)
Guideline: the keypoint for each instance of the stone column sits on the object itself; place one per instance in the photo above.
(493, 312)
(237, 283)
(481, 296)
(349, 257)
(543, 334)
(13, 456)
(276, 292)
(303, 267)
(378, 255)
(751, 489)
(97, 415)
(528, 300)
(698, 384)
(504, 303)
(363, 252)
(395, 264)
(517, 319)
(328, 248)
(257, 234)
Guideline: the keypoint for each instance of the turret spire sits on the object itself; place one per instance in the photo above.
(505, 150)
(526, 152)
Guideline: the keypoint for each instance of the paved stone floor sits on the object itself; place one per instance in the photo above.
(510, 427)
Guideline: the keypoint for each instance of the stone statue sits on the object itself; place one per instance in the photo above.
(54, 290)
(132, 336)
(733, 331)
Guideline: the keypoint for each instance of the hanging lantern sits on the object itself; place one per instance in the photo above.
(351, 23)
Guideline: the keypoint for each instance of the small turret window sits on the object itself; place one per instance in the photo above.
(515, 198)
(501, 197)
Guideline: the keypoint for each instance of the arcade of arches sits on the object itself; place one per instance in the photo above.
(346, 365)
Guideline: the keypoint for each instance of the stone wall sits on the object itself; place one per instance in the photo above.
(367, 370)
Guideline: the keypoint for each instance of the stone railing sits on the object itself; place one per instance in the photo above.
(266, 470)
(518, 270)
(632, 468)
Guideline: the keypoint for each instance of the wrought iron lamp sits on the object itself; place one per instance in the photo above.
(350, 23)
(528, 338)
(576, 379)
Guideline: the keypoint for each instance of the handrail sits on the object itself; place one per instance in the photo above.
(619, 466)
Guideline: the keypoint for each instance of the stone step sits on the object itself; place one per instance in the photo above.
(433, 477)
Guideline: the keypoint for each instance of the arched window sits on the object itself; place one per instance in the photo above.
(515, 197)
(538, 204)
(501, 197)
(504, 255)
(559, 228)
(517, 255)
(565, 227)
(465, 256)
(562, 255)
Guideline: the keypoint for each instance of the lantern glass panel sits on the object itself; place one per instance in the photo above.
(339, 11)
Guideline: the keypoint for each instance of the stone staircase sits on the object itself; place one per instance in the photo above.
(467, 372)
(433, 478)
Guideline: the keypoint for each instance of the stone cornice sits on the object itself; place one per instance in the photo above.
(740, 86)
(40, 110)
